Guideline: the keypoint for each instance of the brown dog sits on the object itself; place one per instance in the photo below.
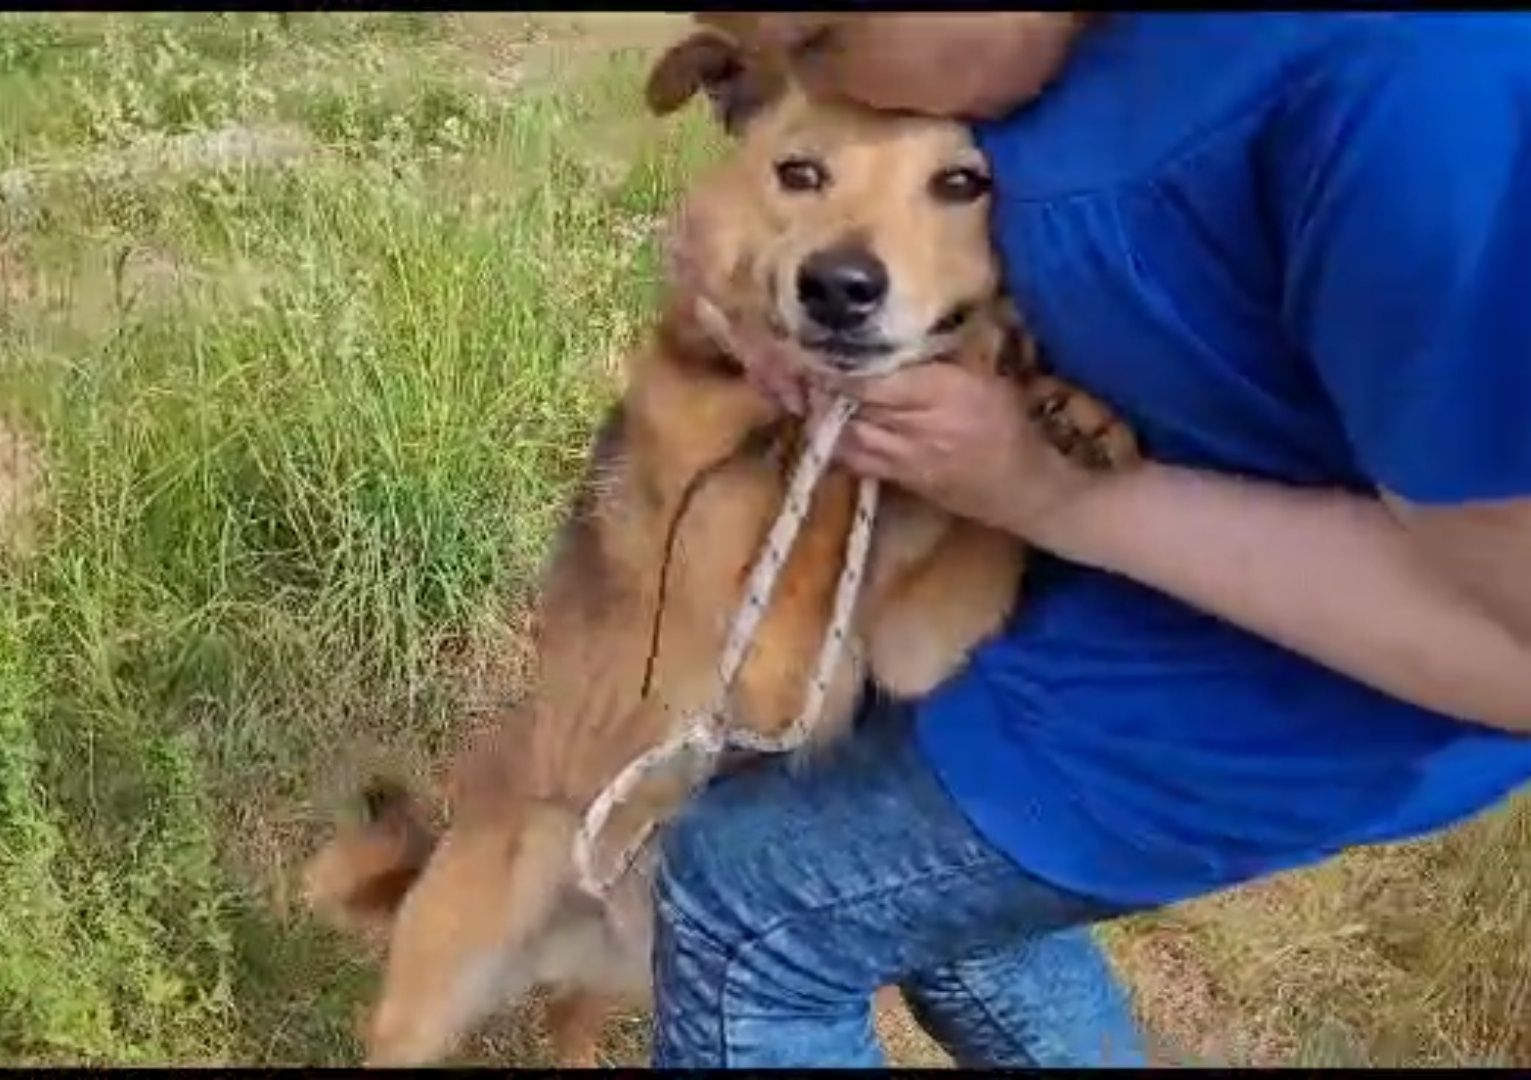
(864, 236)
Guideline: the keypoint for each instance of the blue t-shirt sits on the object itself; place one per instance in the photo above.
(1288, 246)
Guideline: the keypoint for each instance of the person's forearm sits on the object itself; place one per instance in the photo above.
(1327, 574)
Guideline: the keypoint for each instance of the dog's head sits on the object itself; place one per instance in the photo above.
(862, 236)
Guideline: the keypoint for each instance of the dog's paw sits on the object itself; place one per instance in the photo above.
(1078, 425)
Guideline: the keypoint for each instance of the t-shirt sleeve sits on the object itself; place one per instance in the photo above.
(1406, 184)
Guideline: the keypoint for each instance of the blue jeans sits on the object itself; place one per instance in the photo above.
(787, 895)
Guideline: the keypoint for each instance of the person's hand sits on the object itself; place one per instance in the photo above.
(964, 64)
(962, 441)
(769, 362)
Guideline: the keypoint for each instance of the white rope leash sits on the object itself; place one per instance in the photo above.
(706, 733)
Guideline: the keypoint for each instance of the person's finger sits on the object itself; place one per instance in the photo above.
(768, 366)
(915, 388)
(915, 422)
(711, 319)
(785, 387)
(861, 462)
(819, 399)
(782, 369)
(873, 451)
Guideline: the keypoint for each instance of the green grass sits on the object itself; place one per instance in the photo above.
(307, 422)
(292, 474)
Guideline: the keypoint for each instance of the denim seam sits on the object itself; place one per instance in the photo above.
(994, 1020)
(985, 864)
(675, 915)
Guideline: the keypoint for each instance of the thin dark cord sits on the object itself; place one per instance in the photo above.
(755, 441)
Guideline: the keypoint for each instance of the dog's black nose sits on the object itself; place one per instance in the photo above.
(840, 288)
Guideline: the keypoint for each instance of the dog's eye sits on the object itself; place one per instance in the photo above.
(961, 185)
(801, 174)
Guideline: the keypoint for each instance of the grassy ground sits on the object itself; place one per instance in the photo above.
(304, 322)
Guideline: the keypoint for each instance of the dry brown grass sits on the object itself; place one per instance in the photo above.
(1401, 955)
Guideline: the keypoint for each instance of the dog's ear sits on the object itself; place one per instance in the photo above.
(737, 86)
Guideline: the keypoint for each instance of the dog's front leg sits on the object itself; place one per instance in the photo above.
(460, 941)
(921, 626)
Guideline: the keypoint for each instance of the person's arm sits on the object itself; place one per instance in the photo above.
(1431, 606)
(1409, 288)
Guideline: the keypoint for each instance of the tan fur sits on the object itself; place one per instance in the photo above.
(493, 910)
